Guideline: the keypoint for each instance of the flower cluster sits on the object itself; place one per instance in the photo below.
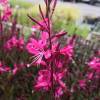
(13, 42)
(91, 78)
(7, 69)
(12, 49)
(52, 57)
(55, 58)
(95, 64)
(5, 10)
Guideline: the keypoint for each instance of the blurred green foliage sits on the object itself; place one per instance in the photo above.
(64, 17)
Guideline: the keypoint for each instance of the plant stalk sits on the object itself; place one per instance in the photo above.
(50, 32)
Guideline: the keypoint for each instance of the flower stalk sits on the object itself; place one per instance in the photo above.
(48, 12)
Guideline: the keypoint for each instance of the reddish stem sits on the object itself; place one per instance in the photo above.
(49, 32)
(1, 27)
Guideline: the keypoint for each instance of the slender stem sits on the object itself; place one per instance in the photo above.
(48, 8)
(50, 32)
(51, 64)
(1, 27)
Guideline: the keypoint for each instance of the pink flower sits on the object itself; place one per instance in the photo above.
(7, 12)
(68, 51)
(16, 68)
(4, 69)
(11, 43)
(3, 1)
(82, 84)
(42, 25)
(44, 80)
(90, 75)
(59, 63)
(58, 92)
(39, 48)
(58, 76)
(20, 43)
(95, 64)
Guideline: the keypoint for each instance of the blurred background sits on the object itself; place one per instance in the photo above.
(81, 17)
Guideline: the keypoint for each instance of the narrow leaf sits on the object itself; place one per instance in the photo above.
(53, 8)
(43, 17)
(35, 21)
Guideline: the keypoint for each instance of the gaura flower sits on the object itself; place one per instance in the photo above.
(39, 48)
(44, 81)
(20, 43)
(13, 42)
(3, 1)
(6, 11)
(42, 25)
(58, 92)
(82, 84)
(90, 75)
(17, 67)
(95, 64)
(68, 51)
(4, 68)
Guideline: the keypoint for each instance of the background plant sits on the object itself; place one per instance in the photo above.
(66, 19)
(19, 76)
